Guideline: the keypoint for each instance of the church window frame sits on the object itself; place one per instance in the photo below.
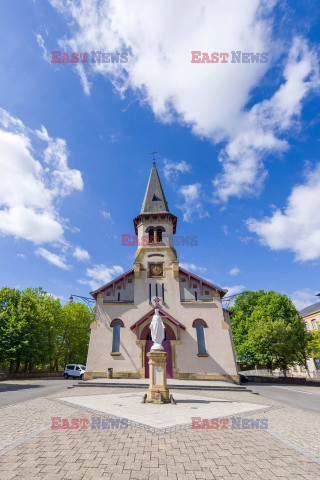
(116, 325)
(200, 325)
(151, 236)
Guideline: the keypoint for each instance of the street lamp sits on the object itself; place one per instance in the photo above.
(87, 300)
(229, 299)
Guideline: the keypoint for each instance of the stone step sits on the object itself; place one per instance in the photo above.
(227, 388)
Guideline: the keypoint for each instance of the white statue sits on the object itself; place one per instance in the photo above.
(157, 331)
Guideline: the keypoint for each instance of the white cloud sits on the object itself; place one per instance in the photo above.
(171, 169)
(303, 298)
(32, 182)
(192, 206)
(210, 99)
(107, 215)
(192, 267)
(233, 290)
(100, 275)
(55, 259)
(81, 254)
(257, 130)
(114, 138)
(45, 54)
(234, 271)
(297, 227)
(21, 255)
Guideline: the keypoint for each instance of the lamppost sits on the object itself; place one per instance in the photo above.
(87, 300)
(229, 299)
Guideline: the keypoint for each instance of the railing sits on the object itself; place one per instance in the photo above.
(263, 372)
(118, 301)
(260, 372)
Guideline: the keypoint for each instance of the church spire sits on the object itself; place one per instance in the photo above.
(154, 199)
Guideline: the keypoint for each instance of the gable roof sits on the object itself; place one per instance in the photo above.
(163, 313)
(154, 200)
(311, 309)
(190, 275)
(113, 282)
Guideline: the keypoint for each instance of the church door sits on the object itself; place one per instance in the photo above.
(167, 348)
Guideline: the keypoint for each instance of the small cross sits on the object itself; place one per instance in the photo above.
(152, 153)
(156, 301)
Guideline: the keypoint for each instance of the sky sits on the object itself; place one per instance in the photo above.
(237, 143)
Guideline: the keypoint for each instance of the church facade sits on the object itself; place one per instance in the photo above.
(198, 336)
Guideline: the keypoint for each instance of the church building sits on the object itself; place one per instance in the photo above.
(198, 336)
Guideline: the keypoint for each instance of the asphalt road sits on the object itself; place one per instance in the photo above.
(12, 392)
(305, 397)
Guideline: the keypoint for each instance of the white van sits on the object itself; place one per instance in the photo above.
(74, 370)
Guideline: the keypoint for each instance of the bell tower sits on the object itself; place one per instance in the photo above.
(155, 227)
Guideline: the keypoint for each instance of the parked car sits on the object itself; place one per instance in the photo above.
(74, 370)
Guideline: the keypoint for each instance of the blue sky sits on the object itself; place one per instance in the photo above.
(238, 143)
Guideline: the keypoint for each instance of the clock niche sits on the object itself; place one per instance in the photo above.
(155, 269)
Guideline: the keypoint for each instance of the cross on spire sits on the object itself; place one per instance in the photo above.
(157, 301)
(152, 153)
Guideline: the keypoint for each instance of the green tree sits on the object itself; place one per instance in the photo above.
(9, 336)
(74, 334)
(35, 324)
(314, 344)
(36, 331)
(241, 321)
(268, 330)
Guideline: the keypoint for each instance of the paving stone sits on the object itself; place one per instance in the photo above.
(136, 454)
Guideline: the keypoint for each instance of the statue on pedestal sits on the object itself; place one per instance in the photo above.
(157, 331)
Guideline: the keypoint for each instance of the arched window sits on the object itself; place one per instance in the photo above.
(200, 325)
(151, 235)
(159, 235)
(116, 325)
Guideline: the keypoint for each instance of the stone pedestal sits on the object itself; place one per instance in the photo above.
(158, 390)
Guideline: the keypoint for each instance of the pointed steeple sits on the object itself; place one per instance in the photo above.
(154, 199)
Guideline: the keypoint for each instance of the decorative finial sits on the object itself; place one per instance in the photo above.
(152, 153)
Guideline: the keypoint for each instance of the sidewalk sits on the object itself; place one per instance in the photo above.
(288, 450)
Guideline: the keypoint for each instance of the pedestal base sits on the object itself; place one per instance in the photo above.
(158, 390)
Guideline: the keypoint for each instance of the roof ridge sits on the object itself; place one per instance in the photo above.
(203, 280)
(310, 308)
(93, 292)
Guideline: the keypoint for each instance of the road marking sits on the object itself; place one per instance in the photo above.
(295, 390)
